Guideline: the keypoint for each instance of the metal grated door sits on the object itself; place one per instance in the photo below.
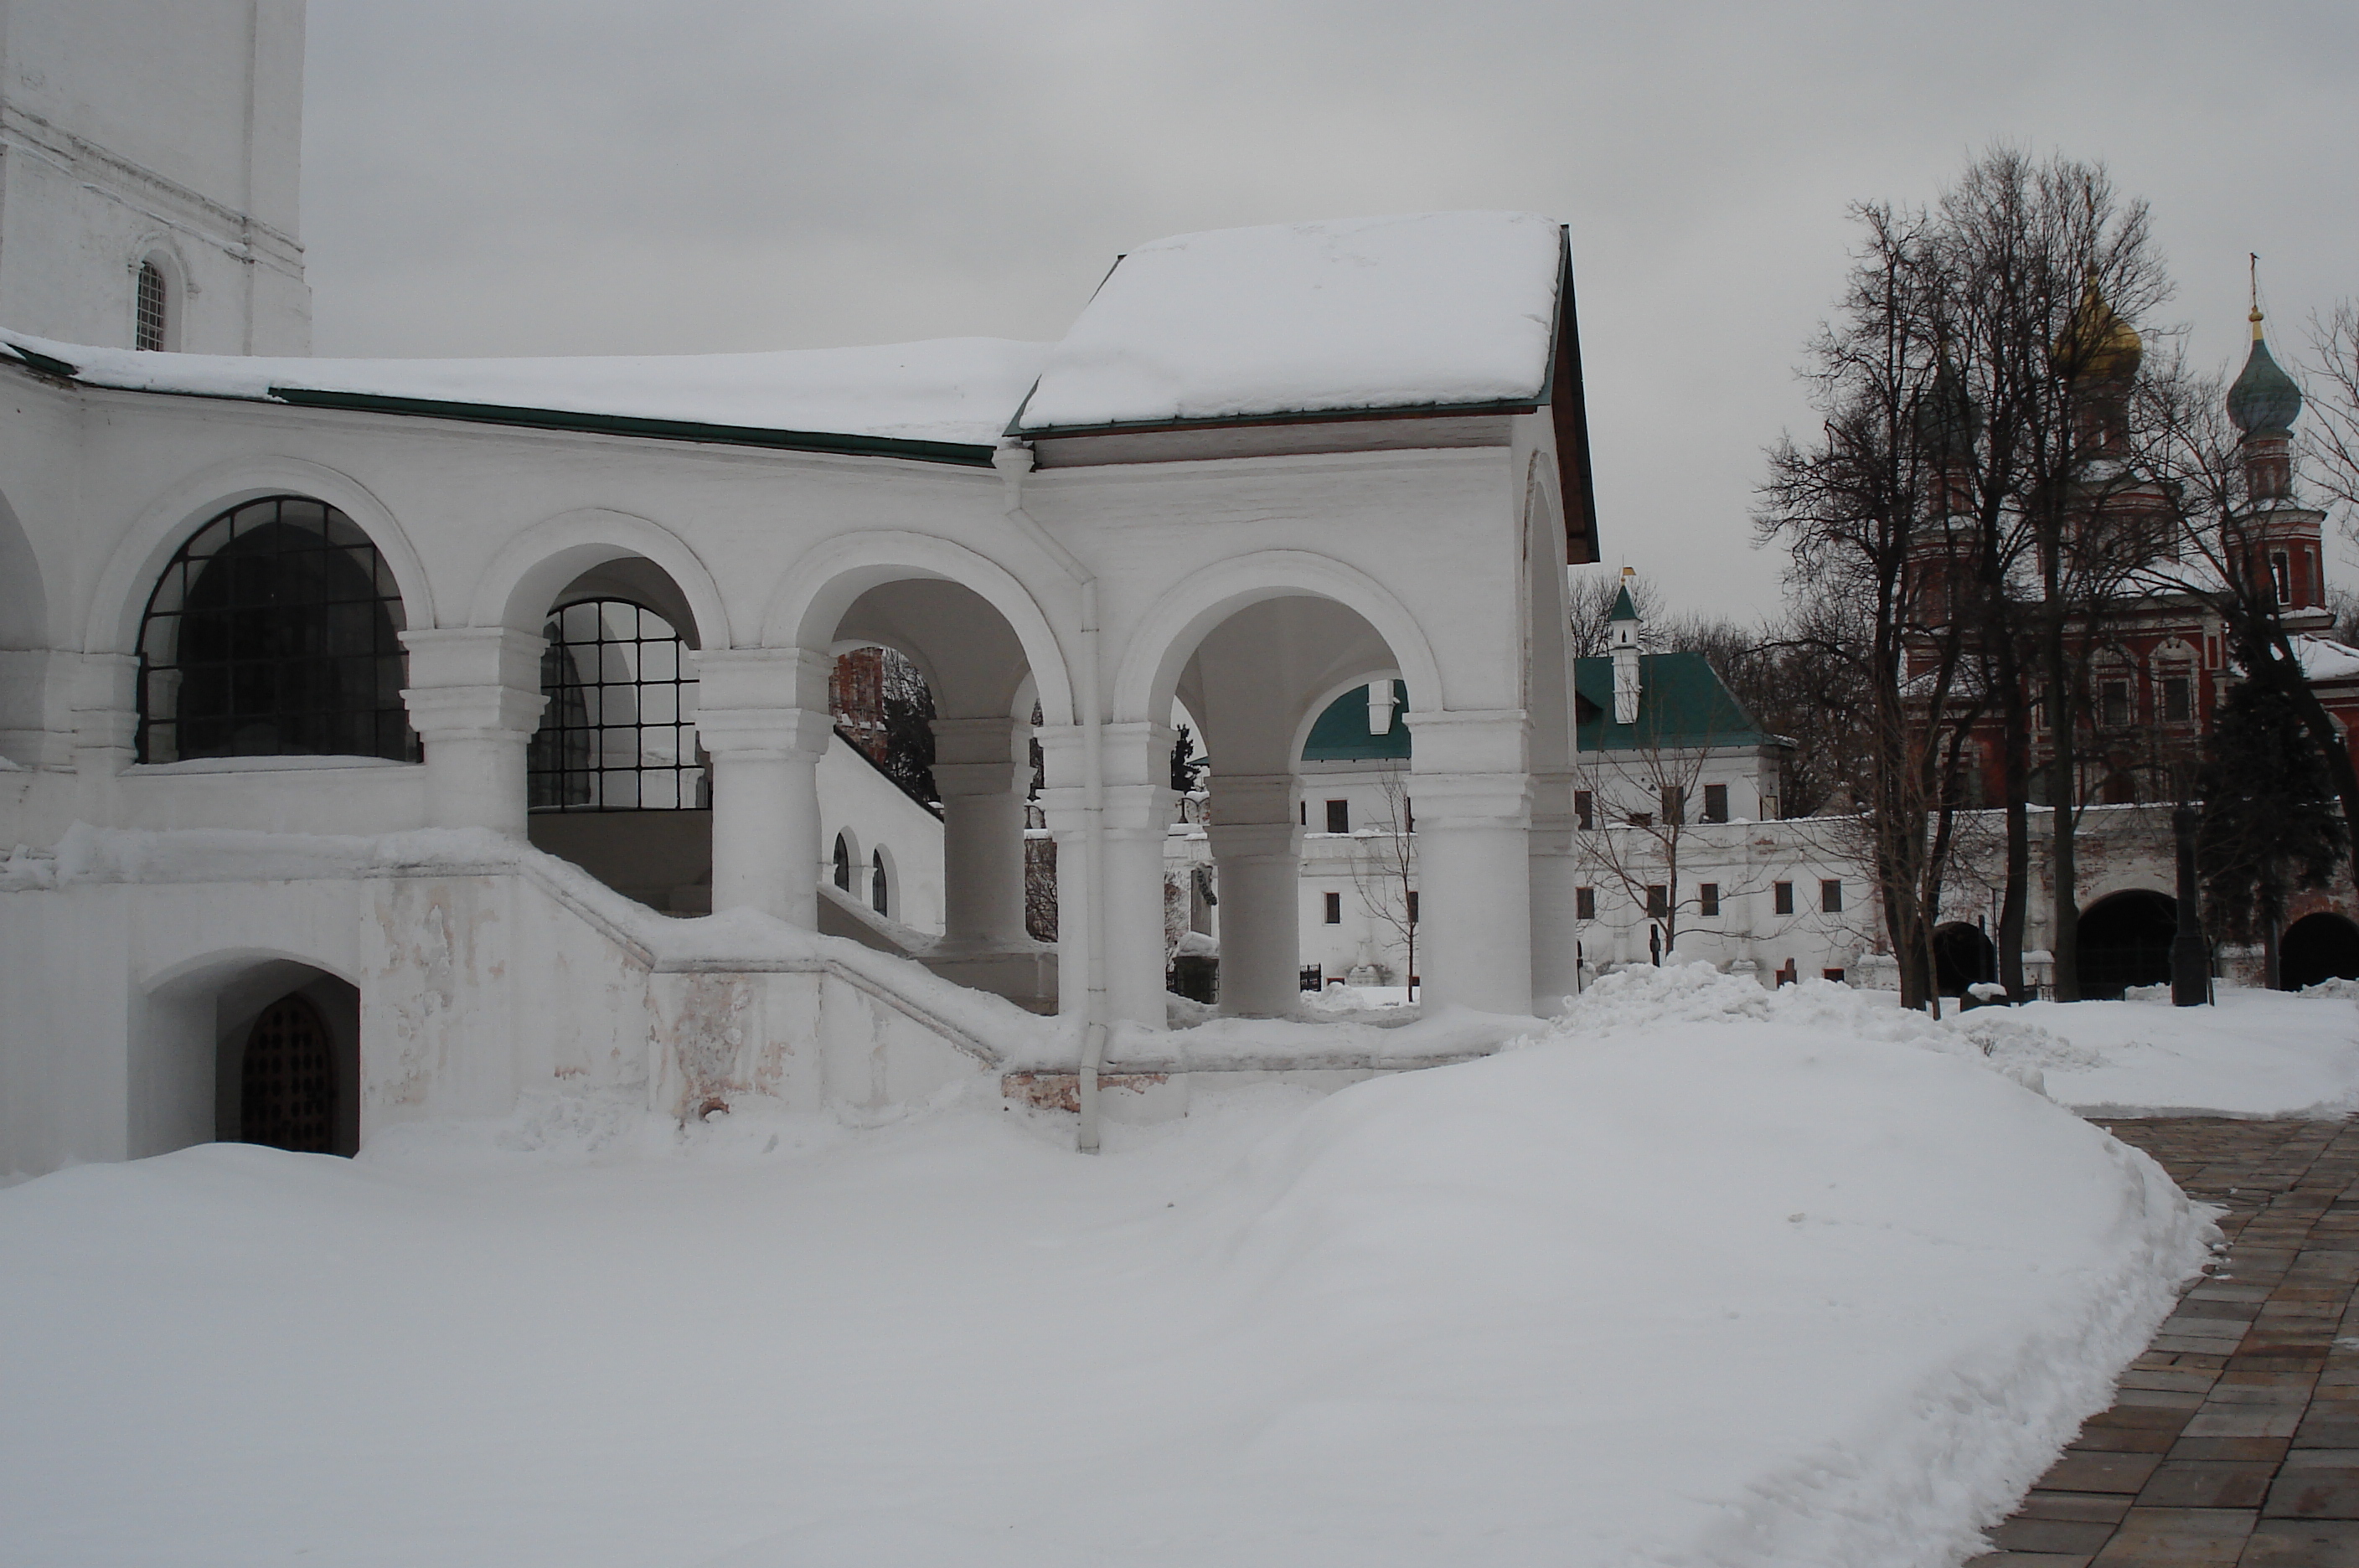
(289, 1091)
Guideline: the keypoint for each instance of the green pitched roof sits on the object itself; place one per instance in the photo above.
(1342, 733)
(1623, 609)
(1683, 702)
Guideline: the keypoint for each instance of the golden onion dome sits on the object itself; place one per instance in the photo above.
(2096, 344)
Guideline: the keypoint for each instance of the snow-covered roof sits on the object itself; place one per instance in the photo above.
(950, 390)
(1433, 310)
(2325, 660)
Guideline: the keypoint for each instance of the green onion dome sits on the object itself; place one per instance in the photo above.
(2264, 401)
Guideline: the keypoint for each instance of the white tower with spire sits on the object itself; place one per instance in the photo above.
(1624, 627)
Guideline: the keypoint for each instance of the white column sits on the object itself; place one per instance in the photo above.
(1256, 845)
(761, 716)
(1472, 800)
(1135, 810)
(106, 714)
(982, 787)
(475, 700)
(1556, 876)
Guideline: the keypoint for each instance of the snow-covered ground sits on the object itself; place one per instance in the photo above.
(1697, 1281)
(2257, 1053)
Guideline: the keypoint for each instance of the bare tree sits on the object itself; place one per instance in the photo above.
(1645, 807)
(1858, 508)
(2330, 433)
(1384, 870)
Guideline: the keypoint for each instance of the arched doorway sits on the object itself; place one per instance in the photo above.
(2323, 946)
(1962, 956)
(288, 1089)
(2124, 942)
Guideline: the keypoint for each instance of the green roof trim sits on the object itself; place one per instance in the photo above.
(44, 364)
(1341, 734)
(957, 452)
(1682, 702)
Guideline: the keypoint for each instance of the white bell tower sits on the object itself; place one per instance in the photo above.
(150, 163)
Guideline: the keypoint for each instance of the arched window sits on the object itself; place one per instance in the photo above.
(842, 862)
(618, 733)
(275, 631)
(880, 893)
(152, 310)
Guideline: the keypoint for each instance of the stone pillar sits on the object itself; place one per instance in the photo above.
(982, 788)
(1473, 799)
(1556, 876)
(1256, 845)
(762, 717)
(1137, 811)
(475, 700)
(106, 714)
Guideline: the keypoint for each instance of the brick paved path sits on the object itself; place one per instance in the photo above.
(2234, 1440)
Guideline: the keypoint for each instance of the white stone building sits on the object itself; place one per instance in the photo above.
(278, 696)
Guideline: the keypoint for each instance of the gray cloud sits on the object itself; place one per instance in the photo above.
(500, 177)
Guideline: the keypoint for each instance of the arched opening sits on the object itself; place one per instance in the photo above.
(1962, 956)
(2323, 946)
(930, 697)
(274, 631)
(2124, 942)
(615, 779)
(1270, 677)
(247, 1048)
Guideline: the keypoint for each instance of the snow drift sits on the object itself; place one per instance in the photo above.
(1706, 1278)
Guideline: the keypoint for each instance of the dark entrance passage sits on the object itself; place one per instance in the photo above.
(288, 1096)
(1962, 956)
(2317, 947)
(2125, 942)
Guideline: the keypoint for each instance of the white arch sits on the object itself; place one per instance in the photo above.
(535, 566)
(1168, 632)
(821, 585)
(120, 596)
(209, 965)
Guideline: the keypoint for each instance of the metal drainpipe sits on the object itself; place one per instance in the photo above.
(1014, 461)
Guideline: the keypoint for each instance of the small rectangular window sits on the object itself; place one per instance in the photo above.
(1302, 810)
(1834, 974)
(1412, 906)
(1782, 898)
(2177, 700)
(1583, 809)
(1338, 816)
(148, 329)
(1675, 805)
(1658, 903)
(2114, 700)
(1584, 903)
(1715, 802)
(1708, 899)
(1831, 898)
(1334, 908)
(2281, 575)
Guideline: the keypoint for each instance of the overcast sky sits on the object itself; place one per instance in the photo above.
(506, 177)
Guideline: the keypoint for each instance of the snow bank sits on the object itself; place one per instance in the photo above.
(949, 389)
(1731, 1292)
(1438, 307)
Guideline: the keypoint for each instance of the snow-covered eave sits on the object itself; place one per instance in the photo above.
(1562, 393)
(959, 453)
